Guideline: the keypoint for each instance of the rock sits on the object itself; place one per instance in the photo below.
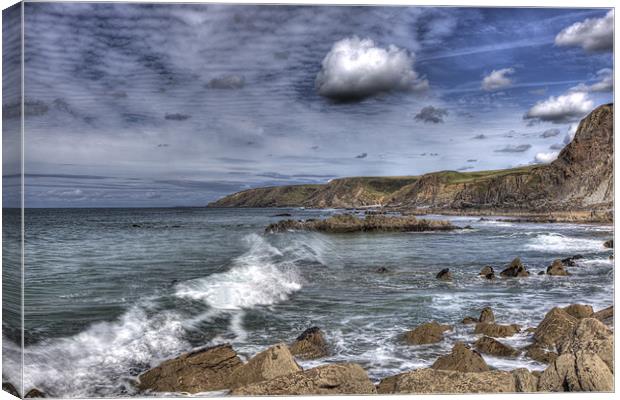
(496, 330)
(198, 371)
(611, 257)
(469, 320)
(282, 215)
(570, 261)
(486, 271)
(593, 336)
(583, 371)
(34, 393)
(444, 275)
(382, 270)
(515, 269)
(310, 344)
(9, 388)
(556, 325)
(525, 381)
(327, 379)
(609, 244)
(430, 332)
(579, 310)
(605, 315)
(461, 359)
(429, 380)
(541, 272)
(269, 364)
(538, 353)
(557, 269)
(488, 345)
(486, 315)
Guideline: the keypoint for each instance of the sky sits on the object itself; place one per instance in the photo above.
(138, 105)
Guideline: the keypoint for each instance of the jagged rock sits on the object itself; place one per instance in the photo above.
(525, 381)
(382, 270)
(486, 271)
(609, 244)
(488, 345)
(541, 272)
(557, 269)
(570, 261)
(429, 380)
(487, 315)
(34, 393)
(310, 344)
(326, 379)
(605, 315)
(198, 371)
(269, 364)
(430, 332)
(444, 275)
(461, 359)
(556, 325)
(593, 336)
(496, 330)
(9, 388)
(515, 269)
(469, 320)
(579, 310)
(583, 371)
(538, 353)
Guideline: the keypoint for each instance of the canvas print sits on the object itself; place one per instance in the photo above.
(246, 200)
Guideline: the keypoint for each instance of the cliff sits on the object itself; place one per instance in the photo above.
(581, 178)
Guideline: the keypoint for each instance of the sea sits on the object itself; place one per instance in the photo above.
(110, 293)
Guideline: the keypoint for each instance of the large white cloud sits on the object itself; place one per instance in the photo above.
(561, 109)
(545, 158)
(604, 84)
(357, 68)
(497, 79)
(592, 34)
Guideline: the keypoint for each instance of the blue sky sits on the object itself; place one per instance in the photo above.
(166, 105)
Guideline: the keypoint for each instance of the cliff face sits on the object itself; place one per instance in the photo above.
(581, 178)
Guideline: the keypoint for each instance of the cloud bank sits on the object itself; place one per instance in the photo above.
(430, 114)
(497, 79)
(561, 109)
(605, 83)
(592, 34)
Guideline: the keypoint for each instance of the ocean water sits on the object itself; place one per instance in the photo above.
(112, 292)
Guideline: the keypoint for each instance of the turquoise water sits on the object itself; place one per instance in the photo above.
(112, 292)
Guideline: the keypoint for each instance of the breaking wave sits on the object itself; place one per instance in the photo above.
(557, 243)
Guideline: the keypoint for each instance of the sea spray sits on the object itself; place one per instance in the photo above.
(558, 243)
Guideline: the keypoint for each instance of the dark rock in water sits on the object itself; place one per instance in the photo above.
(331, 379)
(9, 388)
(468, 227)
(486, 315)
(469, 320)
(198, 371)
(611, 256)
(461, 359)
(497, 330)
(33, 393)
(444, 275)
(557, 269)
(515, 269)
(570, 261)
(538, 353)
(579, 311)
(274, 362)
(609, 244)
(430, 332)
(283, 215)
(489, 276)
(486, 271)
(382, 270)
(310, 344)
(488, 345)
(541, 272)
(136, 226)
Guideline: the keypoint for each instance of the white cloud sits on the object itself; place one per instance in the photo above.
(497, 79)
(592, 34)
(605, 83)
(561, 109)
(357, 68)
(545, 158)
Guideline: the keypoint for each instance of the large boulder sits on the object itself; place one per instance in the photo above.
(579, 310)
(488, 345)
(461, 359)
(486, 315)
(538, 352)
(556, 325)
(430, 332)
(609, 244)
(429, 380)
(516, 269)
(525, 381)
(605, 315)
(444, 275)
(582, 371)
(310, 344)
(203, 370)
(486, 271)
(327, 379)
(274, 362)
(593, 336)
(496, 330)
(557, 269)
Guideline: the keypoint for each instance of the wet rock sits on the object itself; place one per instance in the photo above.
(429, 380)
(34, 393)
(382, 270)
(198, 371)
(579, 310)
(486, 315)
(557, 269)
(469, 320)
(444, 275)
(327, 379)
(282, 215)
(461, 359)
(609, 244)
(9, 388)
(486, 271)
(583, 371)
(136, 226)
(538, 353)
(541, 272)
(605, 315)
(430, 332)
(593, 336)
(515, 269)
(496, 330)
(488, 345)
(269, 364)
(525, 381)
(571, 261)
(556, 325)
(310, 344)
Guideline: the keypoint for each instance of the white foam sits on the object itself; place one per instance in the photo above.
(557, 243)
